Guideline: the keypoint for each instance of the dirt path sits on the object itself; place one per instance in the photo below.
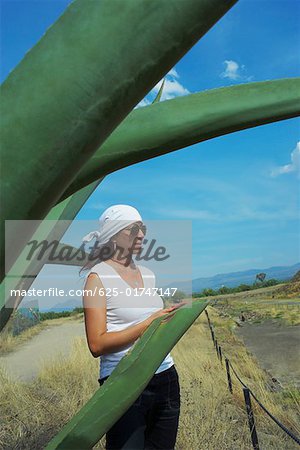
(23, 364)
(276, 347)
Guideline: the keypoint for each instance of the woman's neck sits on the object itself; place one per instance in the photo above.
(123, 263)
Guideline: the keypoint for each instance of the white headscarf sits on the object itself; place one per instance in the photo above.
(113, 220)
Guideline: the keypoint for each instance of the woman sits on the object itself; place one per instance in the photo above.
(114, 322)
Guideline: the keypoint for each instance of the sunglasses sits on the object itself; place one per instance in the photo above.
(134, 230)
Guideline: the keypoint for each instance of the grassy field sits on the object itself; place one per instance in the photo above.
(211, 418)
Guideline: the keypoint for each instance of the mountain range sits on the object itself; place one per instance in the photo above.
(282, 273)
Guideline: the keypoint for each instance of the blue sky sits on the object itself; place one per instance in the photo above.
(241, 191)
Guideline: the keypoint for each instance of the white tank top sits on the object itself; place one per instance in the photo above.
(126, 306)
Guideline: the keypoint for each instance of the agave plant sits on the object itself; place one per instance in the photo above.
(104, 69)
(92, 131)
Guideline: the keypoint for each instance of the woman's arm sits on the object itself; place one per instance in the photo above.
(100, 341)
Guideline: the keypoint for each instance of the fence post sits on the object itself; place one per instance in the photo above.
(251, 422)
(216, 347)
(208, 319)
(220, 354)
(228, 375)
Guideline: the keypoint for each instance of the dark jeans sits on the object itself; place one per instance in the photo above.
(151, 422)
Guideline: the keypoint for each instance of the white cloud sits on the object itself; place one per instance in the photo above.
(143, 102)
(231, 70)
(189, 214)
(240, 214)
(294, 165)
(97, 206)
(172, 88)
(241, 262)
(234, 71)
(224, 202)
(173, 72)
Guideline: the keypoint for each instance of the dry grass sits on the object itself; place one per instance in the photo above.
(9, 343)
(32, 413)
(211, 418)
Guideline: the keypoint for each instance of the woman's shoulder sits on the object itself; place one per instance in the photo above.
(99, 268)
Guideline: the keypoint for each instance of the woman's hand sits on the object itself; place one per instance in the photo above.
(165, 312)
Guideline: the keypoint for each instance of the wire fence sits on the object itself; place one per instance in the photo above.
(247, 393)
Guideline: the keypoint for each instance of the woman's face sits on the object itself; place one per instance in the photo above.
(128, 242)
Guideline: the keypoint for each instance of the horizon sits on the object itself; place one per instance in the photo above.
(61, 300)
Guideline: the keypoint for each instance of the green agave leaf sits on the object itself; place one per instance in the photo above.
(159, 94)
(163, 127)
(77, 84)
(126, 382)
(52, 228)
